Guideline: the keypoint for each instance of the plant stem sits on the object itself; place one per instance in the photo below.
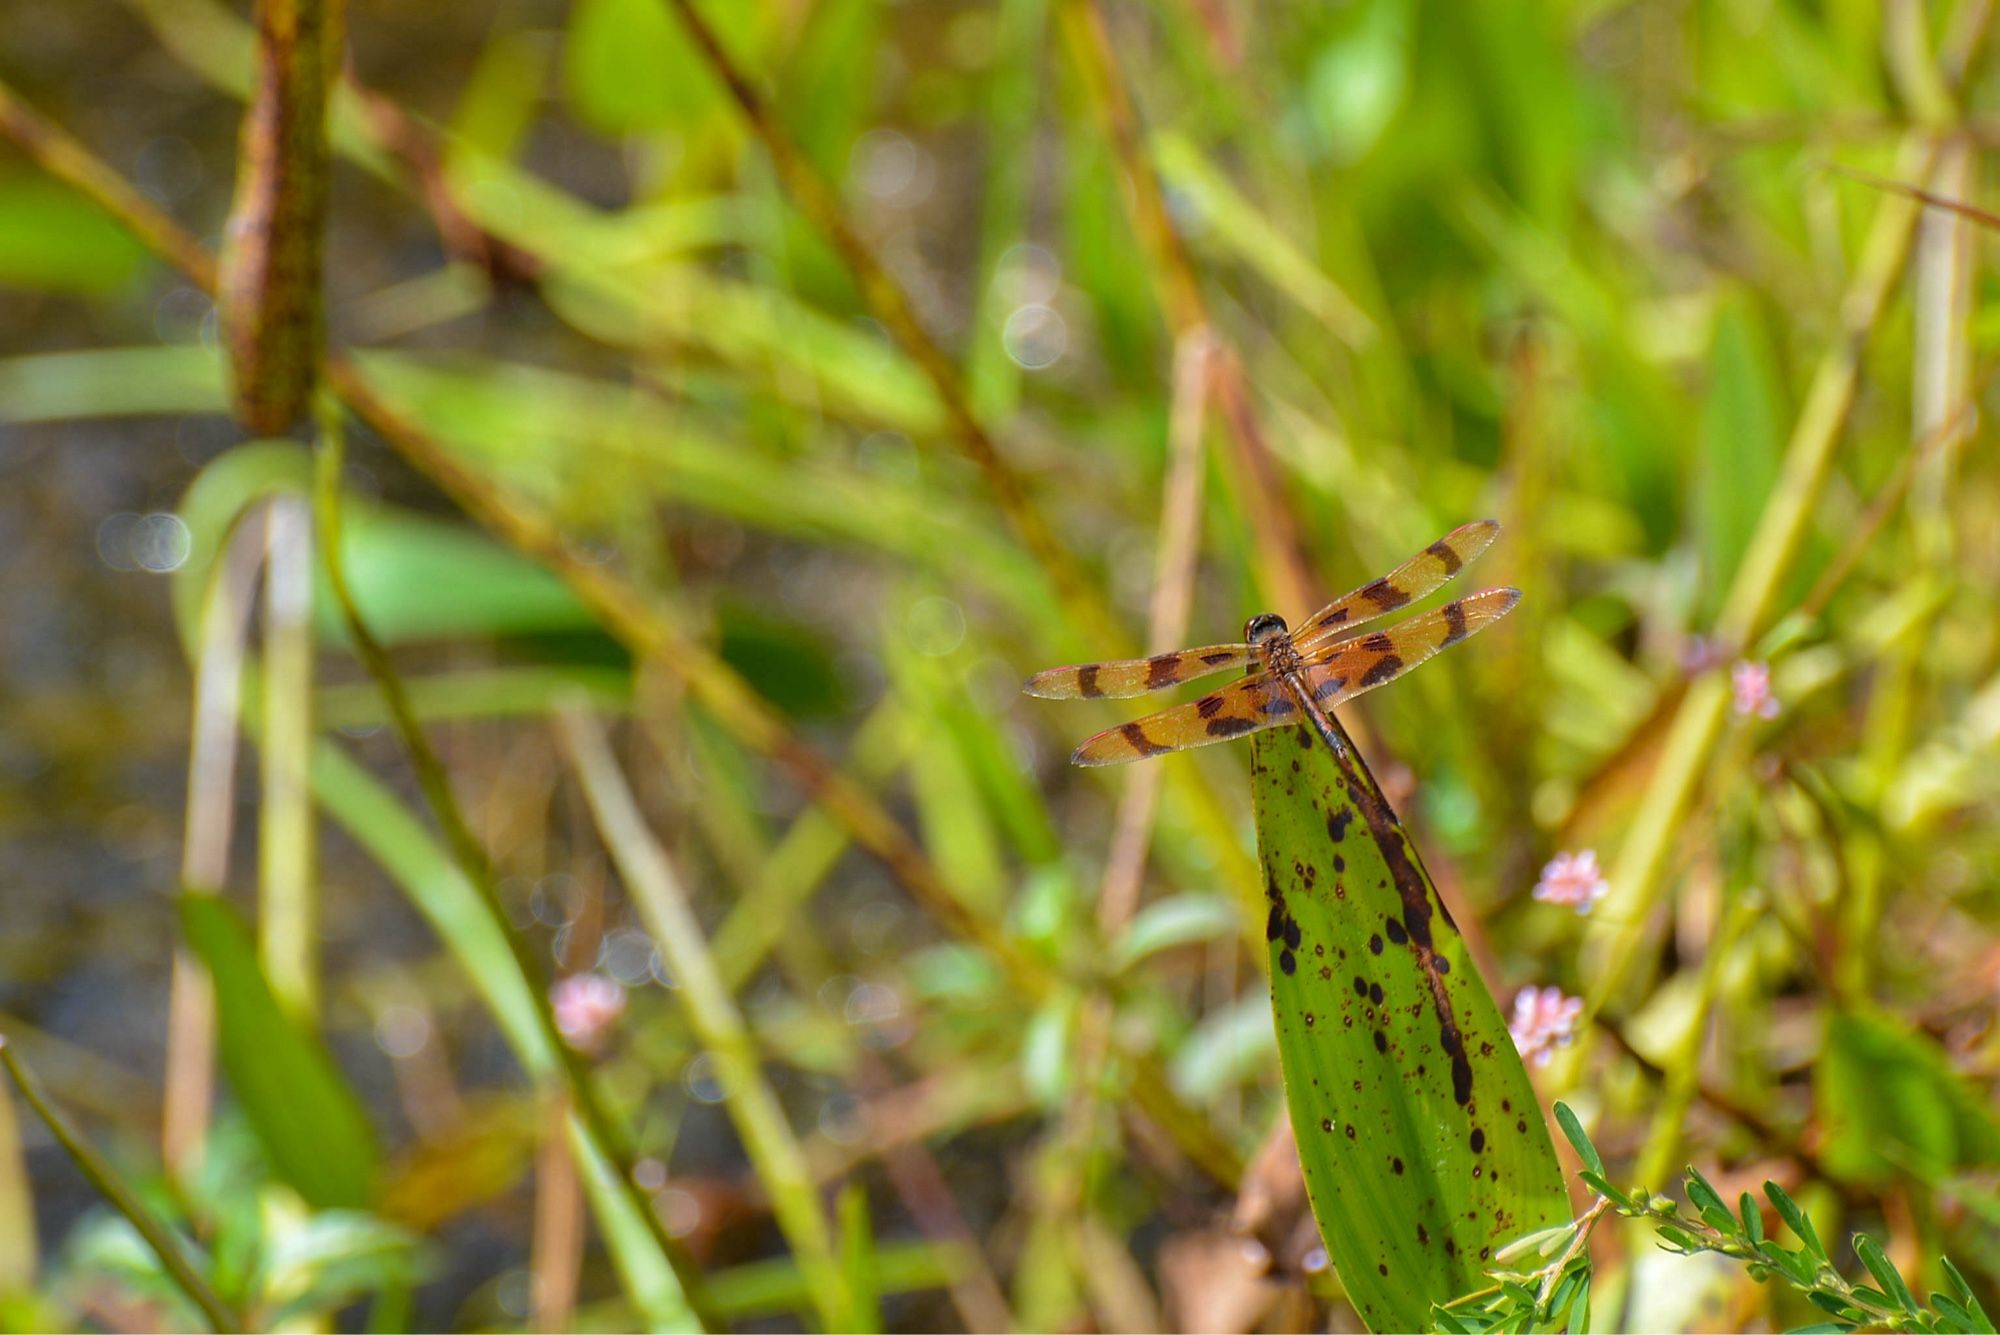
(112, 1187)
(471, 858)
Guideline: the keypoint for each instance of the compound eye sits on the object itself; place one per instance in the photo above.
(1264, 626)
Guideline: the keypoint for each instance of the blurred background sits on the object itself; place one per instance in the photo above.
(727, 457)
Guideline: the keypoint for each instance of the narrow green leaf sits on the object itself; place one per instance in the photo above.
(1579, 1307)
(1422, 1141)
(1603, 1186)
(1708, 1201)
(1753, 1218)
(1446, 1320)
(1789, 1263)
(1954, 1312)
(1885, 1272)
(1579, 1139)
(294, 1097)
(1963, 1292)
(1796, 1219)
(1682, 1240)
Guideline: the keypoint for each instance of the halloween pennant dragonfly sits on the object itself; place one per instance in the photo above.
(1296, 674)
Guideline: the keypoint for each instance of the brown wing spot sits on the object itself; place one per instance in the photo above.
(1086, 681)
(1454, 622)
(1278, 706)
(1446, 557)
(1381, 672)
(1160, 671)
(1331, 686)
(1223, 656)
(1230, 725)
(1379, 643)
(1140, 742)
(1207, 705)
(1384, 595)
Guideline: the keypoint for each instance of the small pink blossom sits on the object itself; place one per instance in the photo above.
(1573, 879)
(1752, 684)
(1544, 1020)
(586, 1006)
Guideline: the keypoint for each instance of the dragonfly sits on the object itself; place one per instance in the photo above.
(1296, 676)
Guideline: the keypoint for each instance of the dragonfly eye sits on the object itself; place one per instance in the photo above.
(1262, 627)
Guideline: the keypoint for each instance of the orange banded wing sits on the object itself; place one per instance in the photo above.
(1339, 671)
(1404, 585)
(1136, 676)
(1236, 710)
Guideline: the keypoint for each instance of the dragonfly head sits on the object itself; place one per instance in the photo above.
(1263, 628)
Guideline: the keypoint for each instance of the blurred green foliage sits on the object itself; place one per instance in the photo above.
(1579, 265)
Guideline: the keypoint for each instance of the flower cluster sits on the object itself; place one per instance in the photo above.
(1573, 879)
(1543, 1021)
(586, 1005)
(1751, 685)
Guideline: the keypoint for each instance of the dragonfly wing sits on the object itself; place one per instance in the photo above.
(1404, 585)
(1136, 676)
(1343, 669)
(1238, 709)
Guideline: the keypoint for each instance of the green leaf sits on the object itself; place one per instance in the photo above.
(329, 1260)
(54, 239)
(1753, 1218)
(1963, 1292)
(1796, 1218)
(1422, 1141)
(1950, 1308)
(1792, 1265)
(417, 578)
(628, 66)
(1706, 1199)
(1680, 1238)
(1884, 1271)
(1174, 921)
(308, 1119)
(1891, 1104)
(1578, 1138)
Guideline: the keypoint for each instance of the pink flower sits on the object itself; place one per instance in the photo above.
(586, 1006)
(1544, 1020)
(1752, 685)
(1574, 879)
